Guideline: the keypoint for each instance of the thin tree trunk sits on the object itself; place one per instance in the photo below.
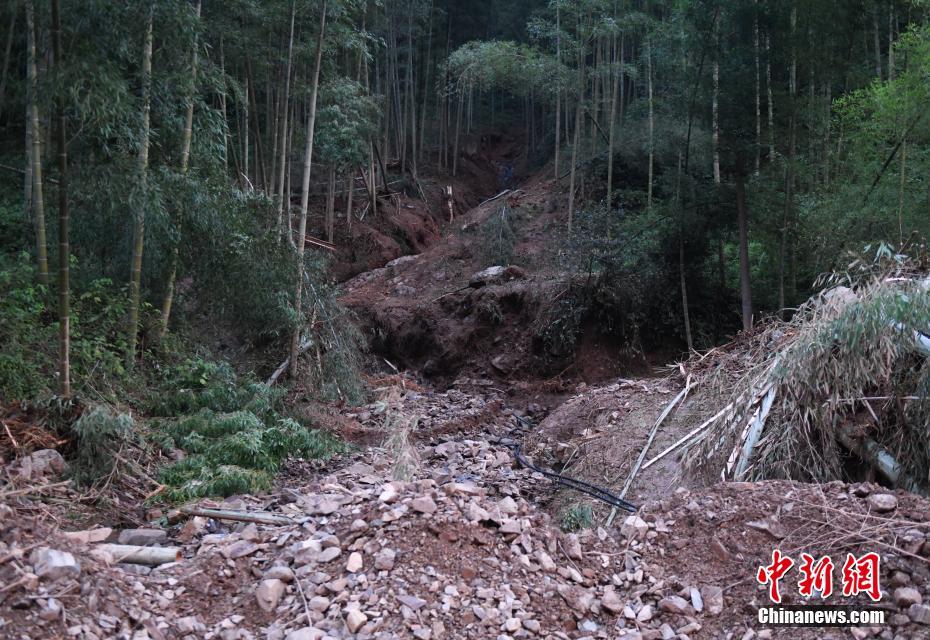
(744, 284)
(878, 45)
(284, 128)
(681, 260)
(64, 250)
(305, 191)
(6, 56)
(901, 185)
(458, 130)
(755, 44)
(558, 93)
(261, 174)
(185, 163)
(38, 198)
(576, 139)
(651, 123)
(715, 106)
(138, 238)
(350, 183)
(426, 88)
(891, 25)
(613, 119)
(245, 132)
(330, 204)
(789, 169)
(226, 131)
(770, 102)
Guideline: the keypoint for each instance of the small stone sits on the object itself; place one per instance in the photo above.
(190, 624)
(573, 547)
(280, 572)
(359, 525)
(318, 603)
(384, 561)
(51, 610)
(531, 625)
(512, 624)
(633, 527)
(611, 601)
(355, 619)
(51, 564)
(423, 504)
(645, 614)
(919, 613)
(508, 506)
(674, 604)
(330, 554)
(904, 597)
(269, 593)
(713, 599)
(696, 600)
(354, 564)
(389, 493)
(307, 633)
(411, 601)
(882, 502)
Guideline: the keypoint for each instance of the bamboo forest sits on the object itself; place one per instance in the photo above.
(447, 319)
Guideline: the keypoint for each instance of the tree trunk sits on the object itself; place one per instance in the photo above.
(901, 184)
(138, 236)
(426, 88)
(789, 170)
(576, 139)
(681, 260)
(330, 204)
(185, 163)
(770, 102)
(558, 93)
(744, 284)
(6, 57)
(38, 198)
(878, 44)
(613, 119)
(651, 123)
(350, 189)
(64, 250)
(755, 47)
(458, 130)
(305, 190)
(891, 25)
(282, 160)
(715, 106)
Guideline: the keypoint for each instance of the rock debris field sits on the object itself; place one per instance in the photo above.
(462, 549)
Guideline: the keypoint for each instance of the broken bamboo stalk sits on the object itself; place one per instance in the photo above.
(685, 438)
(754, 432)
(238, 516)
(149, 556)
(652, 434)
(886, 464)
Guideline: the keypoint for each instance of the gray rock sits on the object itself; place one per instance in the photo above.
(882, 502)
(355, 619)
(268, 594)
(423, 504)
(307, 633)
(52, 564)
(143, 537)
(384, 561)
(919, 613)
(675, 604)
(904, 597)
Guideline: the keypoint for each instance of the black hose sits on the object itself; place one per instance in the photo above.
(578, 485)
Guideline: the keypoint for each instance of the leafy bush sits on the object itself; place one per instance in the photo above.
(576, 517)
(99, 434)
(231, 431)
(498, 237)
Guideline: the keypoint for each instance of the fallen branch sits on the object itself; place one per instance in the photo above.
(320, 243)
(28, 490)
(652, 434)
(238, 516)
(149, 556)
(886, 464)
(493, 198)
(287, 362)
(698, 429)
(755, 431)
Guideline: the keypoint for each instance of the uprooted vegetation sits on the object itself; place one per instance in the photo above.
(848, 375)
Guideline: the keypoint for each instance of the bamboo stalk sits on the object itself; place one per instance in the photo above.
(149, 556)
(238, 516)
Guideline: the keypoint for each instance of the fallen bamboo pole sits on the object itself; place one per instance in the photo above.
(149, 556)
(652, 434)
(698, 429)
(238, 516)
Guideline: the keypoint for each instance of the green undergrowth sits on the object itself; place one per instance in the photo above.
(233, 432)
